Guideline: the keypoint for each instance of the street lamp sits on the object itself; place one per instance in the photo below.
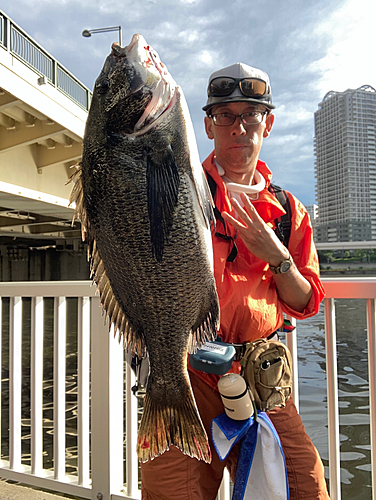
(88, 33)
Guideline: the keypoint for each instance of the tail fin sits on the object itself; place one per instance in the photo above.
(163, 426)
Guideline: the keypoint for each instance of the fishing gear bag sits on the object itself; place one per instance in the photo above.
(267, 369)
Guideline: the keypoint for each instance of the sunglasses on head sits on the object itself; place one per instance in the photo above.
(224, 86)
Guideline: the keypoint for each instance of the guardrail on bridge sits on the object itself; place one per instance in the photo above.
(24, 48)
(106, 469)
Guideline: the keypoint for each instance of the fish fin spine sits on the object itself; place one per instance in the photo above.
(206, 331)
(77, 197)
(112, 310)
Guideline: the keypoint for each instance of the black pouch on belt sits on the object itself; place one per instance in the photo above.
(267, 369)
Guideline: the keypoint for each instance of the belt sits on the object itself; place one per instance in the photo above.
(240, 348)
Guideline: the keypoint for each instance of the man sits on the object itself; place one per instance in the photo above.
(258, 279)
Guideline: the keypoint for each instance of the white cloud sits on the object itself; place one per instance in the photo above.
(288, 140)
(190, 36)
(293, 114)
(349, 59)
(206, 57)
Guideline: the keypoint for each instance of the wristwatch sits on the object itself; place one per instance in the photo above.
(283, 267)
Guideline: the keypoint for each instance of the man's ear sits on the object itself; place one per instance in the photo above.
(209, 127)
(268, 124)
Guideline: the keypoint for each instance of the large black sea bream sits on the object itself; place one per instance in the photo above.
(146, 212)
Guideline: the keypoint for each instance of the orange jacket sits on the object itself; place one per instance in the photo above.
(249, 302)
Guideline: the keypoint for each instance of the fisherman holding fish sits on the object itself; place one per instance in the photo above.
(257, 278)
(169, 280)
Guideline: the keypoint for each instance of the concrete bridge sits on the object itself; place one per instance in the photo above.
(43, 110)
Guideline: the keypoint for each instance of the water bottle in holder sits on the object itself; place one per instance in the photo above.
(236, 396)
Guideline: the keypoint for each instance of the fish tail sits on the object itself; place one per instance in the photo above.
(164, 426)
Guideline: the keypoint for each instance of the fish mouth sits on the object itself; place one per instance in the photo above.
(135, 40)
(150, 120)
(163, 95)
(161, 101)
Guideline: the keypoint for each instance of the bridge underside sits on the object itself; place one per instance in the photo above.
(36, 156)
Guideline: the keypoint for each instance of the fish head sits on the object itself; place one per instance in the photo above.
(133, 89)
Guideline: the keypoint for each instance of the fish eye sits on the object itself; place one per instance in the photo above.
(103, 86)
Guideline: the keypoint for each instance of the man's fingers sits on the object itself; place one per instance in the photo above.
(247, 215)
(241, 211)
(252, 212)
(235, 223)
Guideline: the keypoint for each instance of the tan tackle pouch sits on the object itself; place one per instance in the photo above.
(267, 369)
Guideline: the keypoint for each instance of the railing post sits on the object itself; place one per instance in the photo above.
(224, 489)
(106, 408)
(332, 389)
(8, 28)
(131, 435)
(292, 345)
(83, 403)
(371, 338)
(15, 382)
(37, 306)
(88, 100)
(54, 76)
(1, 363)
(60, 311)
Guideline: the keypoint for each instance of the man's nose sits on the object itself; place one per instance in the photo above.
(238, 127)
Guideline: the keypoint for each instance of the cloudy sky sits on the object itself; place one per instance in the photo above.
(308, 48)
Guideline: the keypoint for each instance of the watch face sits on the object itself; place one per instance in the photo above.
(285, 266)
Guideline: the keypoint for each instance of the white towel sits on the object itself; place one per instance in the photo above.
(261, 469)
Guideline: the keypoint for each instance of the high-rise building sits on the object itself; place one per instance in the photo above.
(345, 166)
(313, 211)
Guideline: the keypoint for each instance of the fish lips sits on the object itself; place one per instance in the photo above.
(140, 62)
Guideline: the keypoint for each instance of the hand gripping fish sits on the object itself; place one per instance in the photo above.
(146, 212)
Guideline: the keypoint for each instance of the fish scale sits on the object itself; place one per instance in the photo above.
(147, 215)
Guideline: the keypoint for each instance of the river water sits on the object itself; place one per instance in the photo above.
(354, 430)
(352, 380)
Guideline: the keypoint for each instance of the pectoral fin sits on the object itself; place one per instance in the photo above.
(162, 192)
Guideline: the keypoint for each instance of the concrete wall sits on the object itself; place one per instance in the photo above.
(25, 264)
(20, 167)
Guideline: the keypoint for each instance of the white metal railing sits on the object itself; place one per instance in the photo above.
(101, 409)
(351, 288)
(100, 374)
(23, 47)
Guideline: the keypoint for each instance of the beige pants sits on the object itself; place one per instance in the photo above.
(175, 476)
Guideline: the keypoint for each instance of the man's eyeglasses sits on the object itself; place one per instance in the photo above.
(226, 119)
(250, 87)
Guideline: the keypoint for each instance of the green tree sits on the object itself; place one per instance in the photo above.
(359, 253)
(325, 256)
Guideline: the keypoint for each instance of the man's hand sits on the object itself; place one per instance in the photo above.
(262, 242)
(258, 237)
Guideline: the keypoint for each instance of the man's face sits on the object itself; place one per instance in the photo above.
(237, 146)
